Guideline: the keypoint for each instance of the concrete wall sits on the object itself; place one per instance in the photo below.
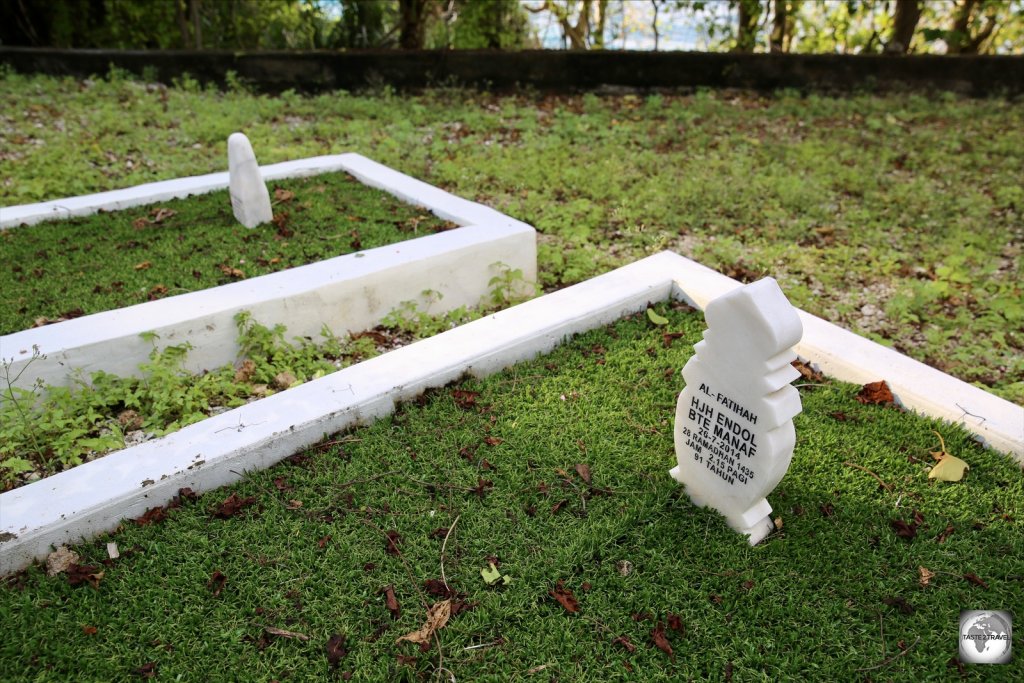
(978, 76)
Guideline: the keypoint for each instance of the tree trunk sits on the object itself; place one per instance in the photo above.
(779, 26)
(179, 15)
(197, 29)
(413, 22)
(746, 36)
(904, 23)
(654, 24)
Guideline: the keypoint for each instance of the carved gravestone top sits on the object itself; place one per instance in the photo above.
(250, 199)
(734, 433)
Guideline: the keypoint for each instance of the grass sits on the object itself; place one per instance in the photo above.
(835, 595)
(896, 216)
(63, 269)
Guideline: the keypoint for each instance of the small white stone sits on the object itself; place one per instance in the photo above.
(734, 432)
(250, 199)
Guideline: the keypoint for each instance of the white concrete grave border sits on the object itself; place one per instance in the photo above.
(96, 496)
(347, 293)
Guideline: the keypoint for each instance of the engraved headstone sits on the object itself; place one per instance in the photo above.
(250, 199)
(734, 433)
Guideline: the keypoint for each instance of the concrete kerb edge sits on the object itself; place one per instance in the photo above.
(482, 347)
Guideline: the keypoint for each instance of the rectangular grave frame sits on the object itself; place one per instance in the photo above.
(96, 496)
(348, 293)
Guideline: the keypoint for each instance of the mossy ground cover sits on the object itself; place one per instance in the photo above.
(557, 471)
(896, 216)
(63, 269)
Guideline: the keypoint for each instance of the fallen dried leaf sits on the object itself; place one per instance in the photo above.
(152, 516)
(945, 533)
(875, 393)
(975, 579)
(143, 266)
(147, 670)
(89, 630)
(437, 617)
(216, 582)
(807, 371)
(465, 399)
(584, 472)
(626, 643)
(903, 529)
(492, 440)
(281, 633)
(925, 576)
(335, 649)
(658, 636)
(232, 505)
(675, 622)
(84, 573)
(391, 602)
(394, 539)
(283, 195)
(60, 560)
(161, 214)
(564, 597)
(900, 603)
(323, 541)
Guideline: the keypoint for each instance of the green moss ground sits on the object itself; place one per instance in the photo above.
(896, 216)
(67, 268)
(835, 595)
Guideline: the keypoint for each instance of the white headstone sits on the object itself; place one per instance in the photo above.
(734, 431)
(250, 199)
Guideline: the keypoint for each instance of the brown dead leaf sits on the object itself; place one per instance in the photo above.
(675, 622)
(904, 529)
(245, 371)
(231, 272)
(876, 393)
(283, 195)
(143, 266)
(564, 597)
(945, 533)
(157, 292)
(807, 371)
(232, 505)
(437, 617)
(584, 471)
(216, 582)
(140, 223)
(152, 516)
(659, 639)
(493, 440)
(391, 601)
(84, 573)
(335, 649)
(322, 543)
(89, 630)
(625, 642)
(482, 485)
(924, 576)
(465, 399)
(60, 560)
(899, 603)
(394, 539)
(147, 670)
(161, 214)
(975, 579)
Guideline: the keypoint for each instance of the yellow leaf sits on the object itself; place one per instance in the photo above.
(950, 468)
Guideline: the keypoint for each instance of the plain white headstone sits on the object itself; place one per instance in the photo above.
(250, 199)
(734, 433)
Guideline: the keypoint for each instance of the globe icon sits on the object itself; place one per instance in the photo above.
(985, 636)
